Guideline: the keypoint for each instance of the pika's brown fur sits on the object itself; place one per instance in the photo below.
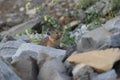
(53, 40)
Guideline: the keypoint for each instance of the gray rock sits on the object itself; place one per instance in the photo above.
(78, 32)
(20, 28)
(113, 25)
(12, 21)
(98, 7)
(25, 38)
(26, 54)
(38, 49)
(79, 14)
(82, 72)
(95, 40)
(6, 73)
(9, 48)
(1, 37)
(110, 75)
(115, 40)
(68, 67)
(2, 23)
(109, 6)
(7, 38)
(27, 67)
(53, 70)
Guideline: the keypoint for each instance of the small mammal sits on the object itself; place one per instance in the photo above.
(53, 40)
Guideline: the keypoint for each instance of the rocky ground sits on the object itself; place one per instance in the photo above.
(59, 40)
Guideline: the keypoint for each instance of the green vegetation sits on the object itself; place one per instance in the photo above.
(36, 40)
(50, 23)
(67, 40)
(26, 32)
(115, 4)
(53, 2)
(38, 9)
(85, 3)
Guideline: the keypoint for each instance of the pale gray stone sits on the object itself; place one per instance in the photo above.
(113, 25)
(21, 27)
(53, 70)
(52, 52)
(9, 48)
(27, 67)
(6, 73)
(82, 72)
(96, 8)
(110, 75)
(95, 40)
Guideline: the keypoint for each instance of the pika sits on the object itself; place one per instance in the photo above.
(53, 40)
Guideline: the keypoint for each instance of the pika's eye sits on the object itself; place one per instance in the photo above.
(48, 33)
(56, 32)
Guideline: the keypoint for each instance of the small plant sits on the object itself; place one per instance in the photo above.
(26, 32)
(53, 2)
(28, 6)
(37, 40)
(85, 3)
(95, 25)
(67, 40)
(94, 20)
(52, 22)
(91, 17)
(110, 15)
(39, 9)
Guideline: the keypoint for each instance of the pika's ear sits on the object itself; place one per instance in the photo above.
(51, 32)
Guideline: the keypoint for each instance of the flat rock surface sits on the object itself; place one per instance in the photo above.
(6, 73)
(101, 60)
(37, 48)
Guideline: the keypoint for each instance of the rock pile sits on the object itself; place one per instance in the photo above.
(97, 57)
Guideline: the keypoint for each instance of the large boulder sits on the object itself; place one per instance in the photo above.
(27, 67)
(6, 72)
(100, 60)
(9, 48)
(38, 49)
(53, 69)
(92, 40)
(101, 38)
(21, 27)
(113, 25)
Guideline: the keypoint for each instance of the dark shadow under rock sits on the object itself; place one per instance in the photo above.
(37, 28)
(117, 68)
